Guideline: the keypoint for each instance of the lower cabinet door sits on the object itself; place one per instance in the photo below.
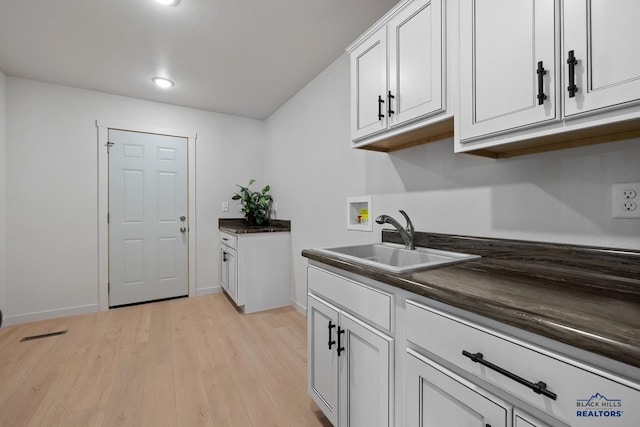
(366, 375)
(322, 323)
(224, 269)
(521, 419)
(232, 284)
(437, 397)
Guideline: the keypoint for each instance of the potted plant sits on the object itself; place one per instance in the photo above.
(256, 205)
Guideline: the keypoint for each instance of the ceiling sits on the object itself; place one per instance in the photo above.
(241, 57)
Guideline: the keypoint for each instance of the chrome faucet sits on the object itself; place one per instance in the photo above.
(408, 234)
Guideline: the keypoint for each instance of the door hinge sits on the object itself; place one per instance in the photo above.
(108, 287)
(108, 218)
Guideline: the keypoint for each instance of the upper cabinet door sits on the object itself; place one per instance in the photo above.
(415, 62)
(368, 86)
(603, 35)
(508, 67)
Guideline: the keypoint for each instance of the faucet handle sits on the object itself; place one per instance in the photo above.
(406, 217)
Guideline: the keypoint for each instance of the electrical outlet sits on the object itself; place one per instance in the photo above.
(629, 193)
(629, 205)
(625, 200)
(225, 206)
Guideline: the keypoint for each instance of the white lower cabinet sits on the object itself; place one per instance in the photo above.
(436, 397)
(351, 367)
(562, 391)
(254, 269)
(229, 271)
(446, 371)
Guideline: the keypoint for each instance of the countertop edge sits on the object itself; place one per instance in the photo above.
(541, 325)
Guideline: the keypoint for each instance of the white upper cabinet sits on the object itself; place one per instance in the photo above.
(398, 78)
(538, 75)
(415, 63)
(369, 85)
(508, 68)
(601, 36)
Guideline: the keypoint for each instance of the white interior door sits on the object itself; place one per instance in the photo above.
(148, 229)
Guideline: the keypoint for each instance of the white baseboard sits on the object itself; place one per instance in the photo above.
(299, 307)
(50, 314)
(207, 291)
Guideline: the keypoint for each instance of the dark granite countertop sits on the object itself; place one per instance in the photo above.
(240, 226)
(587, 297)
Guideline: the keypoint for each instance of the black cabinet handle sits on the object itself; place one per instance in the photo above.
(340, 347)
(380, 102)
(572, 88)
(389, 98)
(331, 342)
(539, 387)
(224, 257)
(541, 72)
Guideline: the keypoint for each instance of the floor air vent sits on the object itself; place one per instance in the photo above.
(37, 337)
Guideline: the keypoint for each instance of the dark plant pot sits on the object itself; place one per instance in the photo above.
(251, 219)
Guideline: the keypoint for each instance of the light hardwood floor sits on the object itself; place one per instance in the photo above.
(186, 362)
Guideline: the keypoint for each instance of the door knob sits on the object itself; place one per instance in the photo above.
(183, 229)
(182, 218)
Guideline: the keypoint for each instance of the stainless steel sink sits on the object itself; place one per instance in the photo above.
(395, 258)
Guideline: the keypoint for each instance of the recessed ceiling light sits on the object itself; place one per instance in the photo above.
(168, 2)
(162, 82)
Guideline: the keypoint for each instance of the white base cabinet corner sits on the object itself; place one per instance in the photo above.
(255, 269)
(350, 367)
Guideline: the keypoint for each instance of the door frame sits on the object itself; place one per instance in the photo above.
(103, 201)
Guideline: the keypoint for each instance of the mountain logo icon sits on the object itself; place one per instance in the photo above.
(597, 398)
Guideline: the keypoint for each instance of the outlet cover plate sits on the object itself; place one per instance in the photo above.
(618, 200)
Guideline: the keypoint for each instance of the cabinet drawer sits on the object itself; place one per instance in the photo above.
(229, 240)
(586, 396)
(365, 302)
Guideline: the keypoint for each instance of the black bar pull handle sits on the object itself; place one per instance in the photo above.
(340, 347)
(224, 257)
(380, 102)
(541, 72)
(539, 387)
(389, 98)
(331, 342)
(572, 88)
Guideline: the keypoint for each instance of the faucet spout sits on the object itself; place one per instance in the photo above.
(407, 234)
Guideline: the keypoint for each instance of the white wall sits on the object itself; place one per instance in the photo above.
(3, 193)
(561, 196)
(52, 188)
